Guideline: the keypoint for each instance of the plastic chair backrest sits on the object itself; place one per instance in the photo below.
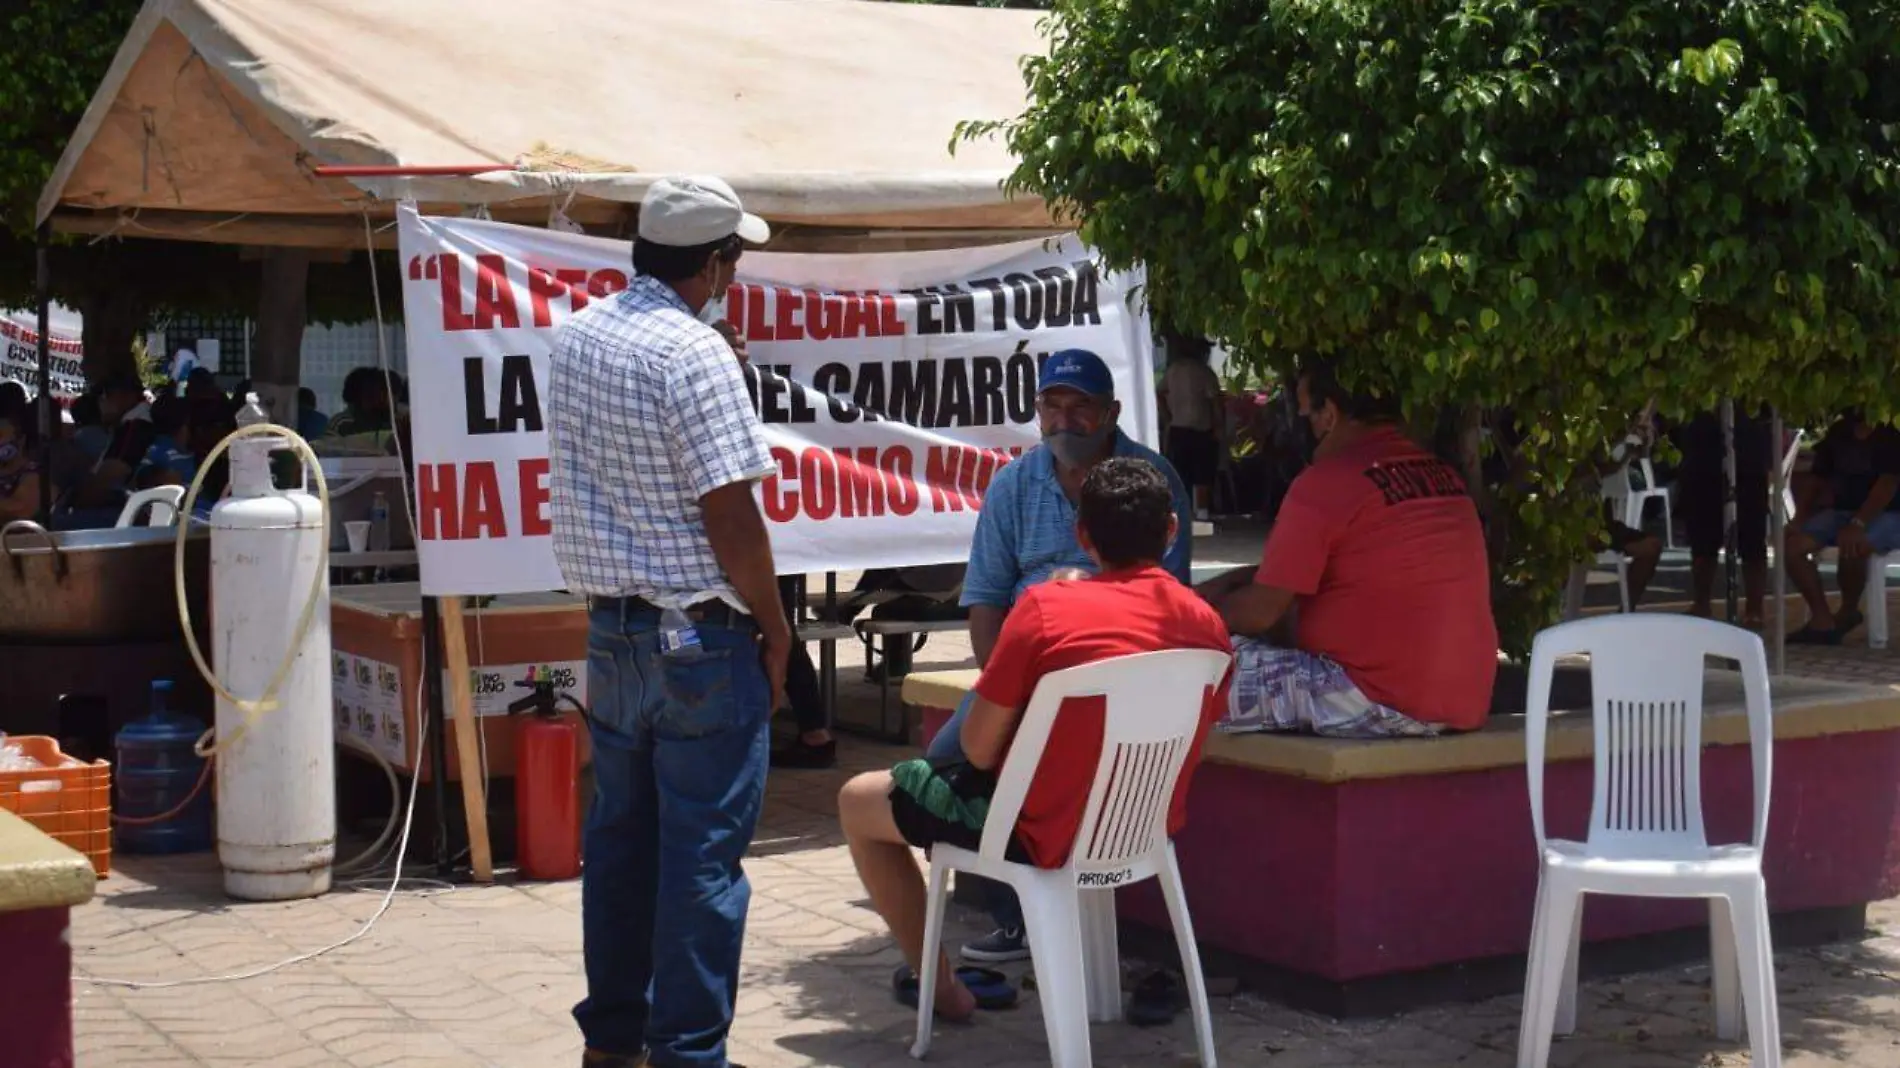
(1646, 680)
(164, 501)
(1154, 704)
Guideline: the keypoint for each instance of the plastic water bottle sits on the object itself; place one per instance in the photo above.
(679, 639)
(379, 523)
(253, 412)
(157, 769)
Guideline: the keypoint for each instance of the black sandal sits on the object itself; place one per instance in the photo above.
(1814, 636)
(992, 988)
(1155, 1001)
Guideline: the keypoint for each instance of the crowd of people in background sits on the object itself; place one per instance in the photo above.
(120, 437)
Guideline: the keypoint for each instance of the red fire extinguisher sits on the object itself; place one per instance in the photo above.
(547, 787)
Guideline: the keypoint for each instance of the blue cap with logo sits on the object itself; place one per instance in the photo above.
(1077, 369)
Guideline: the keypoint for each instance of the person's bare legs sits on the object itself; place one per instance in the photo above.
(1852, 577)
(1754, 591)
(1806, 576)
(889, 872)
(1644, 554)
(1702, 585)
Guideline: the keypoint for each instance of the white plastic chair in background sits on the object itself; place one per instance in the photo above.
(1874, 601)
(164, 501)
(1620, 490)
(1612, 559)
(1788, 461)
(1646, 835)
(1154, 703)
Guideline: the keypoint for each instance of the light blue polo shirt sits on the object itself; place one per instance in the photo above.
(1027, 528)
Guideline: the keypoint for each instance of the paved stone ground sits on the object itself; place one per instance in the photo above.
(485, 977)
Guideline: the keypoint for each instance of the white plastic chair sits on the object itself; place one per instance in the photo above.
(1646, 836)
(164, 501)
(1620, 490)
(1788, 461)
(1612, 559)
(1154, 711)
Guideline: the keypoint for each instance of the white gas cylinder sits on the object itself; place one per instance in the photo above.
(277, 772)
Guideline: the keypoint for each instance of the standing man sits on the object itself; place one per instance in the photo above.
(1191, 399)
(1026, 533)
(654, 450)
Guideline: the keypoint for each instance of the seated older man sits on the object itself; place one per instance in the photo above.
(1377, 559)
(1125, 520)
(1850, 501)
(1025, 534)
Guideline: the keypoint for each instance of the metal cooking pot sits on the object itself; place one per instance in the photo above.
(95, 587)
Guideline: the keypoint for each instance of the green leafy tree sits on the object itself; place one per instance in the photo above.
(1562, 209)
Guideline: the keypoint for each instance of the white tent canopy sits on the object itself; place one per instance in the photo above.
(215, 114)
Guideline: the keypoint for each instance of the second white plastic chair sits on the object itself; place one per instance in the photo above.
(1646, 835)
(163, 500)
(1154, 703)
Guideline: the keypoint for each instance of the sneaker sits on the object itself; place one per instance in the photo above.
(998, 947)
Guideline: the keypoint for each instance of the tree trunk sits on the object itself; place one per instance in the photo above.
(277, 352)
(113, 316)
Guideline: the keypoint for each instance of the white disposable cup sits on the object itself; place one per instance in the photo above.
(357, 531)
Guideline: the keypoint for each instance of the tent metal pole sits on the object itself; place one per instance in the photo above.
(1727, 415)
(1778, 516)
(43, 239)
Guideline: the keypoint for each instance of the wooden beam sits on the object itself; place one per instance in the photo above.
(344, 232)
(467, 743)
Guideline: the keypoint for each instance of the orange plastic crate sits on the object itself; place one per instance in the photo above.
(76, 809)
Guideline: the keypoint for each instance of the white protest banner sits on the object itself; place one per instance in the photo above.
(20, 352)
(891, 387)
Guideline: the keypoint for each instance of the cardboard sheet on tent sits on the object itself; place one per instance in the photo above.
(824, 113)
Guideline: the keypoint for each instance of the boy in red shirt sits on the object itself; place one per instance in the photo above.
(1380, 549)
(1125, 521)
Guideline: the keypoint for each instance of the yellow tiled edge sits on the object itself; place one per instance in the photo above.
(1831, 708)
(37, 872)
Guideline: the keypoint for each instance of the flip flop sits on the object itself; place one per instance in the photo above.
(1154, 1001)
(992, 988)
(1846, 622)
(1814, 636)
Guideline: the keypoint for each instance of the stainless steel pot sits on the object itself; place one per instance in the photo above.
(87, 587)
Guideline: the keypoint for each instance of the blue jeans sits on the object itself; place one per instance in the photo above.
(680, 752)
(998, 899)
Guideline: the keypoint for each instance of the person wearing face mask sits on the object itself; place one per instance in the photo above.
(19, 475)
(654, 449)
(1025, 533)
(1370, 612)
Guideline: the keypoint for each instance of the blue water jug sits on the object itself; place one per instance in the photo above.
(156, 770)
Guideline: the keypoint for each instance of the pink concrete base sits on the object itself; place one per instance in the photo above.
(1381, 876)
(36, 989)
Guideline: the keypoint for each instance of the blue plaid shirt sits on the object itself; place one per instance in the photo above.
(647, 413)
(1027, 528)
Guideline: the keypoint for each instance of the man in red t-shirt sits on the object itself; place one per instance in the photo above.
(1125, 521)
(1378, 560)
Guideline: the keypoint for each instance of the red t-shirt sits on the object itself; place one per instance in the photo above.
(1385, 551)
(1059, 625)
